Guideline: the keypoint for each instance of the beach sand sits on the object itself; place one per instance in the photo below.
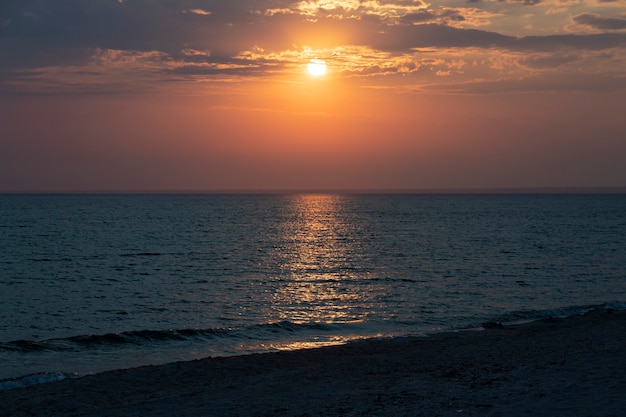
(555, 367)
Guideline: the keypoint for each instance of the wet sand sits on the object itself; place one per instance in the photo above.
(554, 367)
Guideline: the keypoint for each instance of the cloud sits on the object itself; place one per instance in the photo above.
(342, 9)
(444, 36)
(525, 2)
(198, 12)
(427, 16)
(418, 17)
(107, 71)
(610, 82)
(162, 41)
(599, 22)
(548, 61)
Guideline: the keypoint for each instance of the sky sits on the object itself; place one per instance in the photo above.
(215, 95)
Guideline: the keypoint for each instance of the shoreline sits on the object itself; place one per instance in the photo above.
(42, 375)
(543, 368)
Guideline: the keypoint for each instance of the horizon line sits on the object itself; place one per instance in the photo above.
(278, 191)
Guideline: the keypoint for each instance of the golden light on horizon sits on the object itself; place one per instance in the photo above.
(316, 67)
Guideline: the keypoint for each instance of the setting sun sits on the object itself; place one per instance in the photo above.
(317, 67)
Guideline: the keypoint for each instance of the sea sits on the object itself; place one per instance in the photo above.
(96, 282)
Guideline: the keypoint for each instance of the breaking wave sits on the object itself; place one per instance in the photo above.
(147, 337)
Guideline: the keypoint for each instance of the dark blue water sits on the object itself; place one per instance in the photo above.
(96, 282)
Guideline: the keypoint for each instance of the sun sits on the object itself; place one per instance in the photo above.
(316, 67)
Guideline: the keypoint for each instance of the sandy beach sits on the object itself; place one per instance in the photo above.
(554, 367)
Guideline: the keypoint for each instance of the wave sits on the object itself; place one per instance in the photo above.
(146, 337)
(264, 331)
(285, 331)
(34, 379)
(524, 316)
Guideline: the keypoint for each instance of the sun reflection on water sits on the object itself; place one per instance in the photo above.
(318, 255)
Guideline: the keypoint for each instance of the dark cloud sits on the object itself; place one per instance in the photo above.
(234, 68)
(597, 41)
(419, 17)
(426, 16)
(439, 35)
(453, 15)
(524, 2)
(52, 33)
(599, 22)
(68, 26)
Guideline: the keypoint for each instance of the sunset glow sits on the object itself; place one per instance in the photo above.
(225, 95)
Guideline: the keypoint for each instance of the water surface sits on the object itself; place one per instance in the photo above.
(96, 282)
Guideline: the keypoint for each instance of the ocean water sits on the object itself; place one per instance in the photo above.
(97, 282)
